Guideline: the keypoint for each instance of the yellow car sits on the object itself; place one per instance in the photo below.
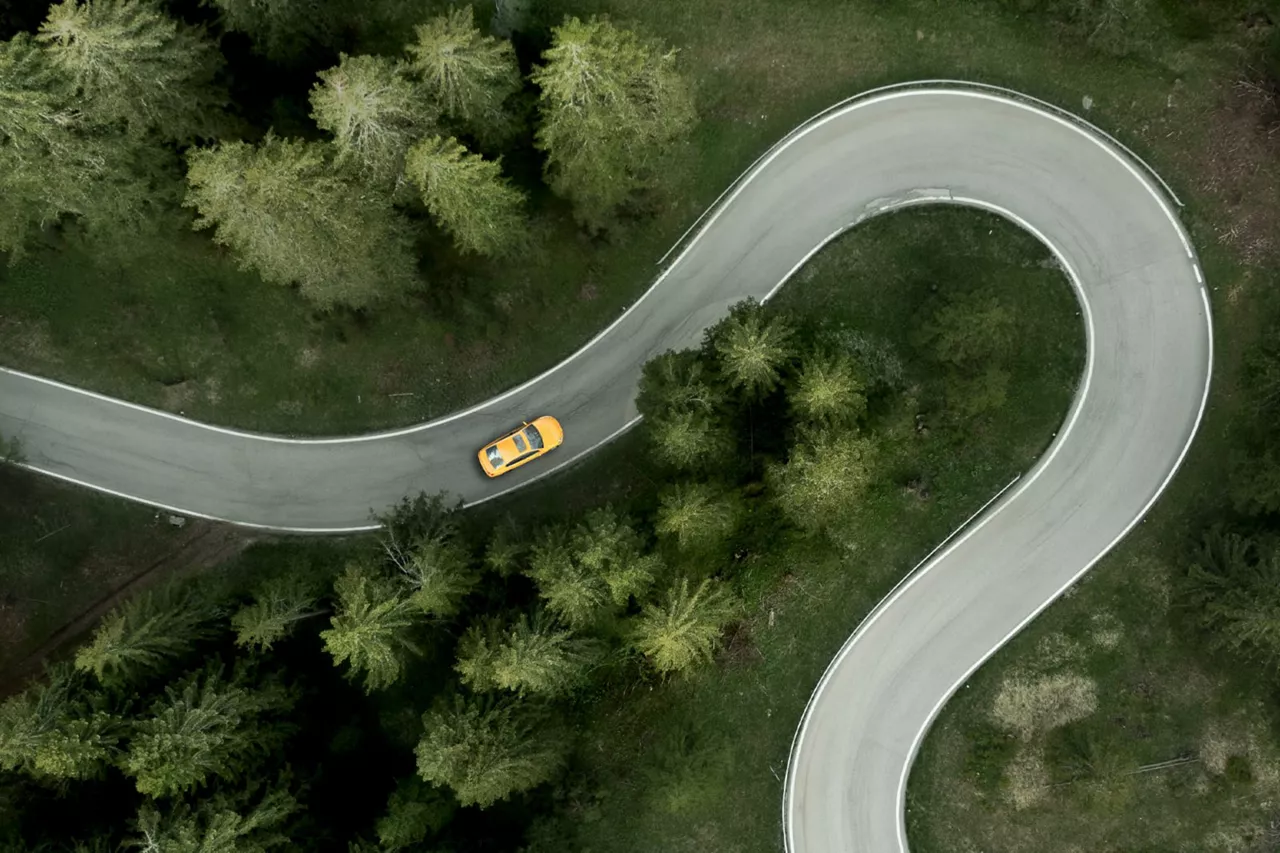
(523, 445)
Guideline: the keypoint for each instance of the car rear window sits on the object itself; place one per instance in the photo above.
(535, 437)
(495, 458)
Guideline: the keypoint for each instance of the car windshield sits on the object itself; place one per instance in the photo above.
(495, 458)
(521, 447)
(535, 437)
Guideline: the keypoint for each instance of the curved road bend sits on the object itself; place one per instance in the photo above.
(1137, 408)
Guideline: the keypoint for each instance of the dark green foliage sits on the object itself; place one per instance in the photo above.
(611, 106)
(147, 634)
(423, 548)
(372, 627)
(55, 162)
(221, 824)
(486, 751)
(683, 628)
(1232, 585)
(530, 656)
(971, 335)
(129, 62)
(679, 381)
(468, 75)
(208, 726)
(697, 516)
(56, 729)
(289, 215)
(585, 574)
(752, 347)
(415, 811)
(276, 608)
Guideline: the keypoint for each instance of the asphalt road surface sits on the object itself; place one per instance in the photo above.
(1143, 307)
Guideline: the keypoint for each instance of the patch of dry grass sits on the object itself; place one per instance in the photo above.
(1034, 706)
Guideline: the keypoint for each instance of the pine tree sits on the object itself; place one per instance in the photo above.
(609, 546)
(506, 548)
(147, 634)
(415, 811)
(278, 605)
(371, 627)
(52, 162)
(438, 573)
(828, 391)
(468, 74)
(690, 441)
(486, 751)
(132, 63)
(696, 515)
(286, 214)
(569, 590)
(52, 730)
(751, 348)
(611, 106)
(219, 824)
(374, 113)
(683, 630)
(594, 570)
(468, 196)
(528, 656)
(207, 726)
(823, 480)
(679, 382)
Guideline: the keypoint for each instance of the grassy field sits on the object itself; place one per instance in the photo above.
(696, 764)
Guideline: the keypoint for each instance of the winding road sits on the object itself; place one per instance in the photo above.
(1143, 306)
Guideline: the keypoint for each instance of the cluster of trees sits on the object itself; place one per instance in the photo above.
(100, 108)
(181, 696)
(209, 715)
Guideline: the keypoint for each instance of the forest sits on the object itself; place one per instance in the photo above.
(207, 205)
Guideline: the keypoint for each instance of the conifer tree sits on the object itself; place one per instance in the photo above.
(374, 113)
(371, 627)
(278, 605)
(695, 515)
(284, 211)
(207, 726)
(132, 63)
(824, 478)
(611, 106)
(469, 75)
(683, 630)
(528, 656)
(147, 634)
(53, 731)
(468, 196)
(486, 751)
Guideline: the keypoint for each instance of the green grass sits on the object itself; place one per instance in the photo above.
(697, 763)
